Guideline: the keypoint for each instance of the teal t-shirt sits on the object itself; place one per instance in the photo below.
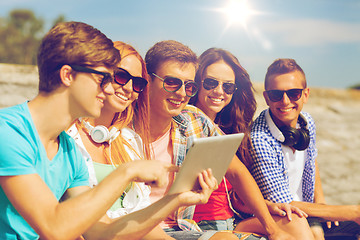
(22, 152)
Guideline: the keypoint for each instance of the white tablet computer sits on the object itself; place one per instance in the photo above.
(211, 152)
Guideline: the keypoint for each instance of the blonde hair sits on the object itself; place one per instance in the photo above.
(137, 115)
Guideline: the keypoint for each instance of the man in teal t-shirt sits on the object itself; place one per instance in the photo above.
(31, 158)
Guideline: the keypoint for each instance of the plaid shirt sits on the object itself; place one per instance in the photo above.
(269, 168)
(190, 124)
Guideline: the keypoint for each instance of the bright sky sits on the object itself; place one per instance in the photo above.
(323, 36)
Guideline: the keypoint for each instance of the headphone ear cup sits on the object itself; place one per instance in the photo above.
(304, 140)
(114, 133)
(291, 135)
(99, 134)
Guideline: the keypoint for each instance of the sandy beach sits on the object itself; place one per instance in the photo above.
(336, 112)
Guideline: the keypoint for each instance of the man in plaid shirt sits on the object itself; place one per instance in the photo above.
(283, 139)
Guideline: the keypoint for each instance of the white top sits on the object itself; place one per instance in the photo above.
(295, 161)
(137, 197)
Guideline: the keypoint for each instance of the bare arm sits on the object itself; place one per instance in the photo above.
(53, 220)
(157, 233)
(327, 212)
(280, 209)
(138, 224)
(246, 187)
(318, 193)
(330, 212)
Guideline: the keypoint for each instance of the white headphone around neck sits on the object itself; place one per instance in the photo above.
(100, 133)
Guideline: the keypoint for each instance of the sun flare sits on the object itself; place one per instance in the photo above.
(238, 12)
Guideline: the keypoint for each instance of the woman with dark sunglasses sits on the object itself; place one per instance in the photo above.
(110, 140)
(226, 95)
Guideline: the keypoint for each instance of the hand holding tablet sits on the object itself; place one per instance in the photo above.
(210, 152)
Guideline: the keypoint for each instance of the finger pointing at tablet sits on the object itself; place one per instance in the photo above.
(154, 173)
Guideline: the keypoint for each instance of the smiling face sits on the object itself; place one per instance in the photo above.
(169, 104)
(90, 102)
(285, 111)
(124, 95)
(213, 101)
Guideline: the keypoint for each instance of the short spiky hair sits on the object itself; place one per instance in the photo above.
(168, 50)
(72, 43)
(282, 66)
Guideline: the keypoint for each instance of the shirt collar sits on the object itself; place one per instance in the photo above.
(277, 134)
(181, 120)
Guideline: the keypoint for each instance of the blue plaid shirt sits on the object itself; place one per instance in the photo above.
(269, 168)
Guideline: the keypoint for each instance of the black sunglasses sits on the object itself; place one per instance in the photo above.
(172, 84)
(277, 95)
(107, 78)
(122, 77)
(210, 83)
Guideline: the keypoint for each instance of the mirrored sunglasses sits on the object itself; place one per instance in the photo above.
(122, 77)
(107, 78)
(172, 84)
(210, 83)
(277, 95)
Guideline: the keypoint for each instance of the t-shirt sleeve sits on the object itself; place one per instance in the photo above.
(17, 152)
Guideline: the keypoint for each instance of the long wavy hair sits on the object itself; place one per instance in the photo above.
(237, 116)
(136, 116)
